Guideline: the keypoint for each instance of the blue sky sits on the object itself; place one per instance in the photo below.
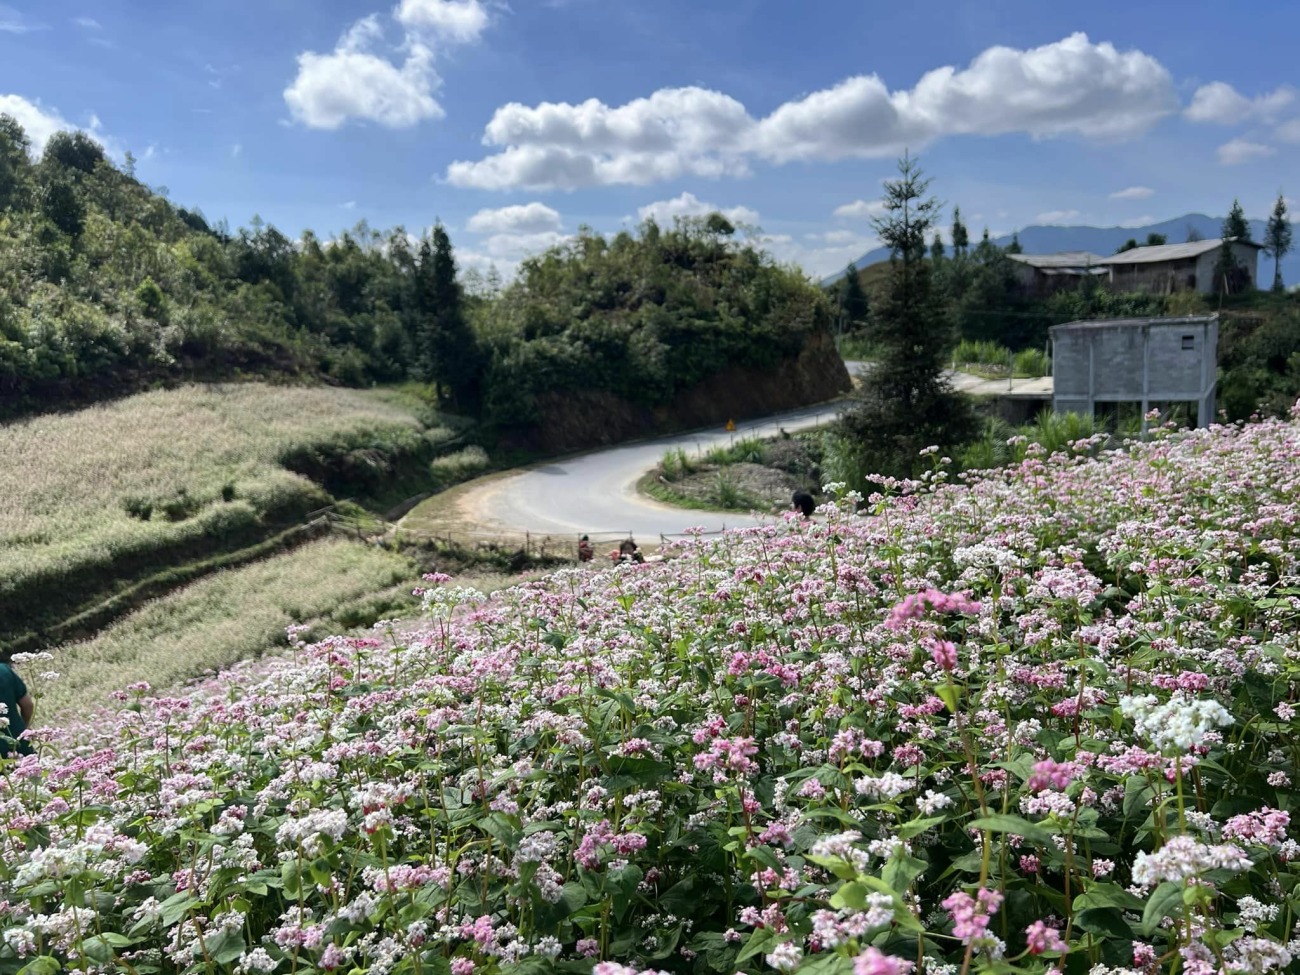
(516, 123)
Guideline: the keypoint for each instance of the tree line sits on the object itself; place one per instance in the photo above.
(106, 286)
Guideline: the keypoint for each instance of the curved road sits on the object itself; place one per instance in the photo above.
(596, 492)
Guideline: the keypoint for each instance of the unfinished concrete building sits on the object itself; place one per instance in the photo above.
(1145, 361)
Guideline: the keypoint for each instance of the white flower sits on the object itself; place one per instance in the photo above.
(1178, 725)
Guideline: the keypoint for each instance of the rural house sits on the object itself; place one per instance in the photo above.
(1043, 274)
(1146, 361)
(1166, 268)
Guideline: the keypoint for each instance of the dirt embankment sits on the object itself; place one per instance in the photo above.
(580, 420)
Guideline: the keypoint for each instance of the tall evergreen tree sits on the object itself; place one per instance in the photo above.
(450, 354)
(1014, 247)
(1228, 273)
(936, 248)
(1155, 240)
(907, 404)
(853, 300)
(960, 235)
(1277, 239)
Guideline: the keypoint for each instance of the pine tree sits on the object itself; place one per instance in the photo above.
(1227, 272)
(907, 404)
(1277, 239)
(960, 236)
(854, 304)
(936, 248)
(450, 356)
(1014, 247)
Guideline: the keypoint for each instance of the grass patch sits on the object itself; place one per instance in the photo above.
(227, 617)
(100, 498)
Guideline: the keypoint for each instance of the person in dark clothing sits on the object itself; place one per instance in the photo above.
(629, 552)
(17, 714)
(804, 503)
(585, 552)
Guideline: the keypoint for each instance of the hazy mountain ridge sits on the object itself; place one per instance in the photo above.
(1106, 240)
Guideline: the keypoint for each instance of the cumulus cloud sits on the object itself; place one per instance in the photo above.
(1221, 104)
(861, 210)
(676, 131)
(39, 123)
(1238, 151)
(819, 254)
(688, 205)
(461, 21)
(1133, 193)
(1055, 218)
(353, 82)
(364, 79)
(1071, 87)
(528, 218)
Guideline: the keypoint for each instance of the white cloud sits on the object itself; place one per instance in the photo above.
(1221, 104)
(39, 123)
(861, 210)
(1133, 193)
(820, 254)
(355, 83)
(675, 131)
(1071, 87)
(1056, 218)
(1134, 222)
(14, 22)
(664, 212)
(461, 21)
(528, 218)
(364, 80)
(350, 205)
(1289, 131)
(1238, 151)
(236, 150)
(87, 23)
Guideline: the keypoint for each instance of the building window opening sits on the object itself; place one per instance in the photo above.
(1189, 341)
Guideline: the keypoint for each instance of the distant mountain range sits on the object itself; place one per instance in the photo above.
(1107, 240)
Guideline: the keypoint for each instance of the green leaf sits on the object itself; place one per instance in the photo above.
(1107, 895)
(1104, 922)
(42, 965)
(1165, 901)
(918, 826)
(758, 943)
(1007, 823)
(765, 856)
(949, 694)
(900, 871)
(226, 946)
(176, 907)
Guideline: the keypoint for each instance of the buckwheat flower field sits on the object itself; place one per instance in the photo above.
(1045, 719)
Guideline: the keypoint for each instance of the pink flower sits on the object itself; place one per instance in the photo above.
(462, 966)
(1041, 937)
(944, 653)
(1050, 774)
(915, 606)
(873, 961)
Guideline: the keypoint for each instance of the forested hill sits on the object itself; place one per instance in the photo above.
(107, 287)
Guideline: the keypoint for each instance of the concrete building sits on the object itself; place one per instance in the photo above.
(1044, 274)
(1166, 268)
(1147, 361)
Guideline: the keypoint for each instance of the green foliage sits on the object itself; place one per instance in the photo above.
(1277, 239)
(1155, 240)
(676, 464)
(1129, 245)
(642, 316)
(1031, 363)
(854, 304)
(905, 403)
(1259, 357)
(746, 450)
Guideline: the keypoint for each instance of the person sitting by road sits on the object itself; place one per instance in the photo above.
(16, 709)
(628, 552)
(803, 503)
(585, 552)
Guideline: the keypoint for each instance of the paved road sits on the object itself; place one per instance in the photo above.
(596, 492)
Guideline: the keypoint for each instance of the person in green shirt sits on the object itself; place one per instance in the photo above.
(17, 707)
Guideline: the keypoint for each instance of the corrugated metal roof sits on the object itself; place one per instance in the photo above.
(1134, 322)
(1170, 252)
(1059, 260)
